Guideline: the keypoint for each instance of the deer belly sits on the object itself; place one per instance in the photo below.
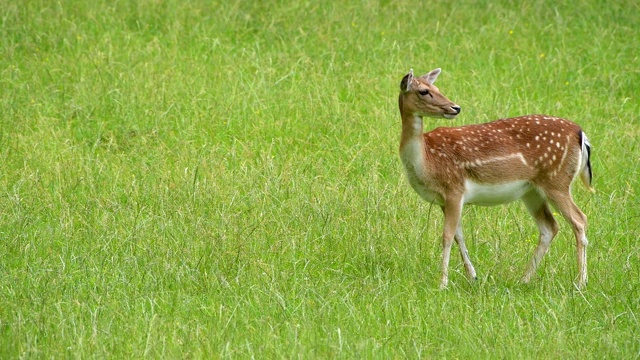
(494, 194)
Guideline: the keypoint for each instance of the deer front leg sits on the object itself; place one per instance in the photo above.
(452, 211)
(464, 253)
(468, 266)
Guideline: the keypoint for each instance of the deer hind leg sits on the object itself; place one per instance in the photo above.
(547, 226)
(578, 220)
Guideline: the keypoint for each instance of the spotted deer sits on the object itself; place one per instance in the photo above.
(534, 158)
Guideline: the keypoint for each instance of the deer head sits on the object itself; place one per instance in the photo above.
(419, 97)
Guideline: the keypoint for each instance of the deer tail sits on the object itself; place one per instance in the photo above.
(586, 173)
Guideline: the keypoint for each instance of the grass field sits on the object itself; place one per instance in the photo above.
(199, 179)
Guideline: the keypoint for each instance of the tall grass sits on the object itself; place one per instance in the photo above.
(220, 179)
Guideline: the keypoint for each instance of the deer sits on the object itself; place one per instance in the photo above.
(533, 158)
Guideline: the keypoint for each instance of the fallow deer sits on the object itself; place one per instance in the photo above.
(534, 158)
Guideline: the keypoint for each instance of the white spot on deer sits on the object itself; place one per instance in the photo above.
(524, 161)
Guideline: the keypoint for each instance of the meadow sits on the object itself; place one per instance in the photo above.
(220, 179)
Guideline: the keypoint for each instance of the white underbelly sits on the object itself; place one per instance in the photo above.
(494, 194)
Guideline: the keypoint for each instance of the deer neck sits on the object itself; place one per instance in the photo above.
(414, 155)
(413, 150)
(412, 130)
(412, 126)
(412, 146)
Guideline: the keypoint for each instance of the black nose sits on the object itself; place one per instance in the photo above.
(456, 108)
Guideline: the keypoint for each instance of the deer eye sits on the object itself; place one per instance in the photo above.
(424, 92)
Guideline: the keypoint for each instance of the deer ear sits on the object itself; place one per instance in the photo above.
(405, 84)
(431, 76)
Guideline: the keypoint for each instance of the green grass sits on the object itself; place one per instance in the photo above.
(220, 179)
